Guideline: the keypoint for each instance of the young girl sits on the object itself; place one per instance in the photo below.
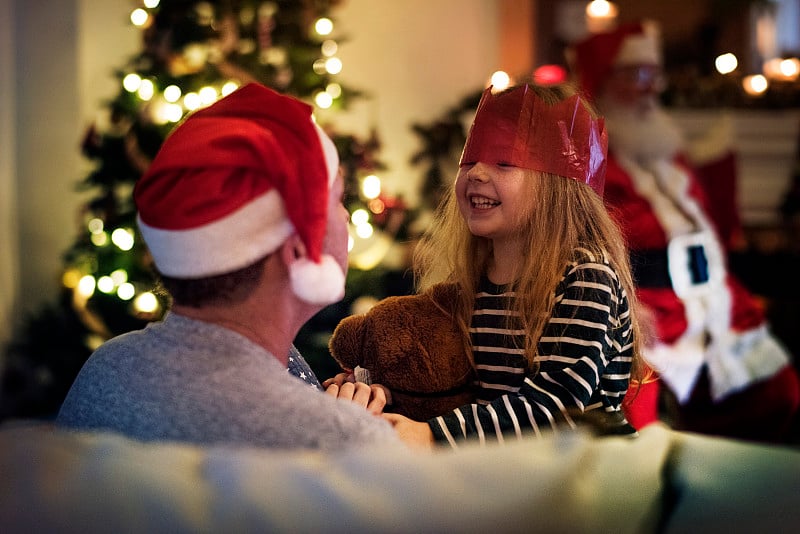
(545, 295)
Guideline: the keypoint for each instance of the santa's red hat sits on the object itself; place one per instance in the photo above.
(593, 59)
(232, 182)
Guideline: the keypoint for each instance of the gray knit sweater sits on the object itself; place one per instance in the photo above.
(187, 380)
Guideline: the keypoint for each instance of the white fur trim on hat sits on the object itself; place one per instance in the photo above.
(641, 48)
(317, 283)
(224, 245)
(330, 153)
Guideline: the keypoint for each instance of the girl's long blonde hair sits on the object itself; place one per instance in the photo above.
(563, 215)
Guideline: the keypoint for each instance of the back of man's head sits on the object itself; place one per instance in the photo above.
(232, 182)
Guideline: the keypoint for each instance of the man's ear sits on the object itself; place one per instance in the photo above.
(293, 249)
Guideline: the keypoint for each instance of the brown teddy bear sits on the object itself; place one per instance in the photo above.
(413, 346)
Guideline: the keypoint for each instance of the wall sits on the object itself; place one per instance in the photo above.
(47, 133)
(9, 268)
(416, 58)
(63, 52)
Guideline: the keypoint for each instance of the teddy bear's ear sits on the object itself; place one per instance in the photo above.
(347, 342)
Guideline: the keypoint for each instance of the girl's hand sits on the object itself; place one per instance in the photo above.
(341, 378)
(374, 398)
(414, 434)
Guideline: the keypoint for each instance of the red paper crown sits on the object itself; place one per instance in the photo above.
(518, 128)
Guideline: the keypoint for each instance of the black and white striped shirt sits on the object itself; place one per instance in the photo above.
(584, 359)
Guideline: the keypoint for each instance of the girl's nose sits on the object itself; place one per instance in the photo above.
(478, 172)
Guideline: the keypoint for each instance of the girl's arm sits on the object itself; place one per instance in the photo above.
(585, 362)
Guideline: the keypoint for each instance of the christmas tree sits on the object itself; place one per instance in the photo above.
(193, 53)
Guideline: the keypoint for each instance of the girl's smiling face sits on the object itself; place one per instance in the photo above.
(493, 199)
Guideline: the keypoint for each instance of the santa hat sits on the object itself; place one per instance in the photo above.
(593, 59)
(231, 183)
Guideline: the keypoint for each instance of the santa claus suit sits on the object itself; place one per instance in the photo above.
(711, 346)
(703, 317)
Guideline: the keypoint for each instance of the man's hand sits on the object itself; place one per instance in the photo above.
(343, 386)
(414, 434)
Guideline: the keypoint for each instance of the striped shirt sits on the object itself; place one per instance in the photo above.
(584, 360)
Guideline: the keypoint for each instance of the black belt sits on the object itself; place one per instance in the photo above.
(650, 268)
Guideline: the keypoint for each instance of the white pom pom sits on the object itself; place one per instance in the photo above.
(317, 283)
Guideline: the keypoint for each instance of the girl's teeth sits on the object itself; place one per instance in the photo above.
(482, 202)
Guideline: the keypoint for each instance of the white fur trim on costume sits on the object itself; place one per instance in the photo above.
(678, 364)
(678, 261)
(717, 141)
(749, 357)
(641, 48)
(224, 245)
(317, 283)
(330, 153)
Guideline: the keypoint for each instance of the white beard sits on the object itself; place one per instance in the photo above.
(643, 136)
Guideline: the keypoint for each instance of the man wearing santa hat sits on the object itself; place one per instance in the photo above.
(241, 211)
(711, 347)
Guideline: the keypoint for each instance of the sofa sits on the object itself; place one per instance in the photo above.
(53, 480)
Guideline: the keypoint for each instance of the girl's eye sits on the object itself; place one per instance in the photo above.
(505, 164)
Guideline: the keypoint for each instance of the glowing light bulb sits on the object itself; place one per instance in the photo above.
(371, 186)
(726, 63)
(191, 101)
(228, 88)
(150, 4)
(95, 226)
(550, 74)
(131, 82)
(146, 303)
(86, 286)
(126, 291)
(350, 243)
(208, 95)
(600, 15)
(359, 217)
(172, 93)
(600, 8)
(123, 238)
(172, 112)
(329, 47)
(146, 90)
(120, 276)
(500, 81)
(139, 17)
(71, 278)
(323, 100)
(99, 239)
(93, 341)
(333, 65)
(755, 85)
(334, 89)
(376, 206)
(790, 67)
(364, 231)
(323, 26)
(105, 284)
(319, 66)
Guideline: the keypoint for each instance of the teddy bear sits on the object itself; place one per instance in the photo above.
(414, 347)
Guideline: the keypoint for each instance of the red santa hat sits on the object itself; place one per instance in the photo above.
(231, 183)
(593, 59)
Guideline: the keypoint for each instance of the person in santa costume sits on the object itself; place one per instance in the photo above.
(711, 347)
(241, 211)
